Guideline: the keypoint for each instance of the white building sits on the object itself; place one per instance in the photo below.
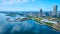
(45, 20)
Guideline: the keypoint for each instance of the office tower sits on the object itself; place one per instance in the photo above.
(59, 15)
(41, 12)
(50, 14)
(54, 13)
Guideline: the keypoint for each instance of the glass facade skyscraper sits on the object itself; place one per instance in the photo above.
(54, 13)
(41, 12)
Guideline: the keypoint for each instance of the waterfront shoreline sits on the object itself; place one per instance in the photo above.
(47, 24)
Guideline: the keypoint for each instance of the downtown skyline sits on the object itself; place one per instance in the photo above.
(28, 5)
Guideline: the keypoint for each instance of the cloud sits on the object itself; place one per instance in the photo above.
(33, 0)
(12, 27)
(16, 1)
(7, 2)
(13, 1)
(15, 28)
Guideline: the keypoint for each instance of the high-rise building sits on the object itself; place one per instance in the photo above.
(41, 12)
(54, 13)
(59, 14)
(50, 13)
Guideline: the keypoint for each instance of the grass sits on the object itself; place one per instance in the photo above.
(49, 24)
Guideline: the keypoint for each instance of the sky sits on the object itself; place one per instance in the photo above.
(28, 5)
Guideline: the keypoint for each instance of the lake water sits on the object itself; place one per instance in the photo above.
(24, 27)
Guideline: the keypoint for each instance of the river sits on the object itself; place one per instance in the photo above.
(24, 27)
